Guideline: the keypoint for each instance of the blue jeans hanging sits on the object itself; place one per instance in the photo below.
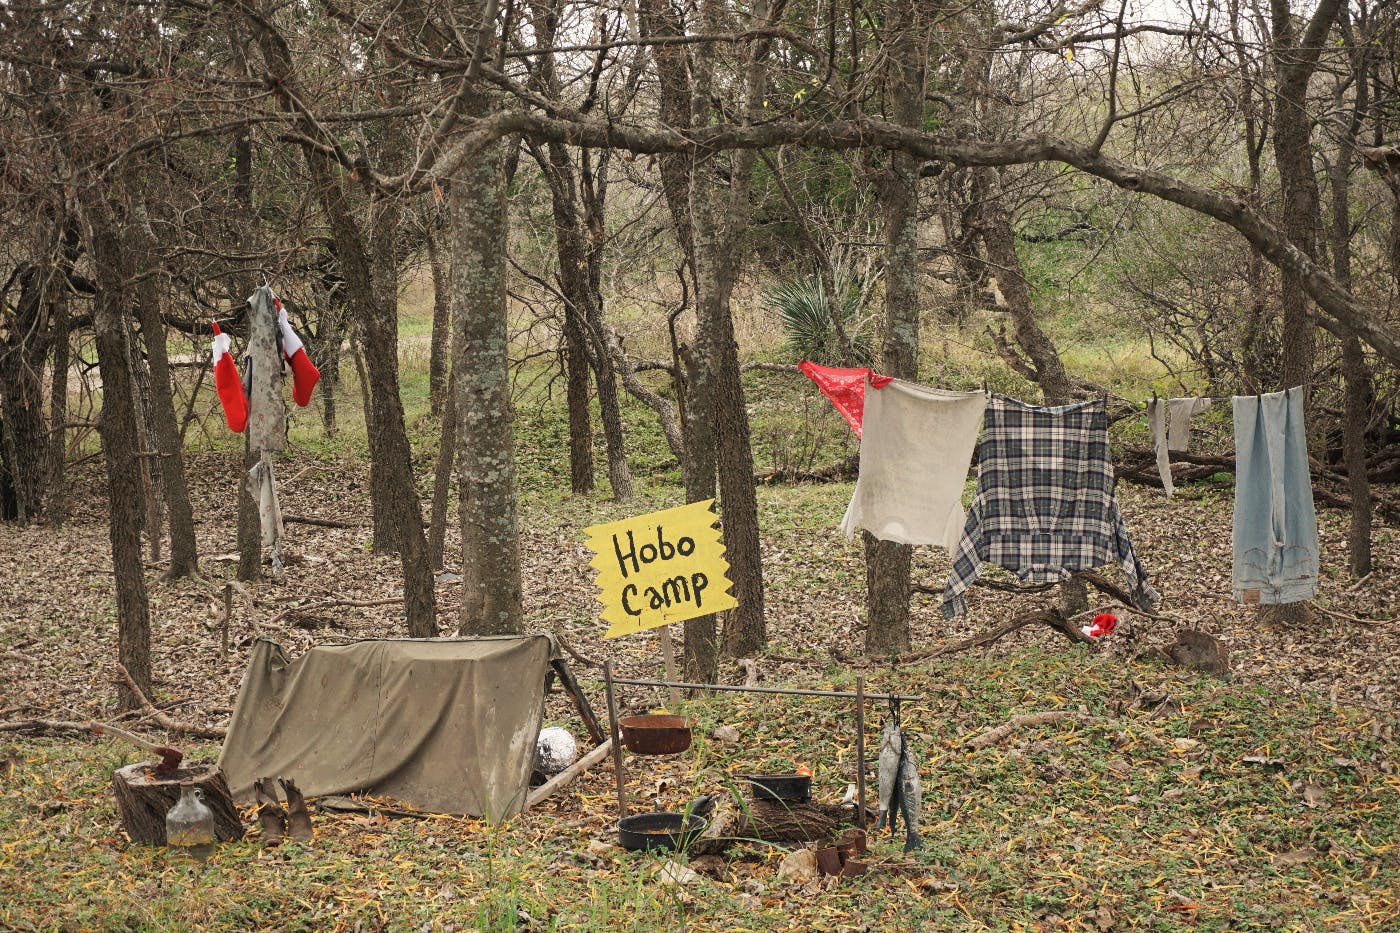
(1275, 527)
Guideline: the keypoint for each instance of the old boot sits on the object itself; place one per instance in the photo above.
(298, 817)
(271, 817)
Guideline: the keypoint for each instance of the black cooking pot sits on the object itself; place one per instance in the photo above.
(643, 831)
(780, 786)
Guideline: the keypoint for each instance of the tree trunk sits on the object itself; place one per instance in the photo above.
(397, 510)
(442, 478)
(22, 358)
(886, 562)
(439, 348)
(150, 465)
(330, 336)
(701, 649)
(1355, 373)
(718, 228)
(575, 361)
(1295, 59)
(117, 427)
(594, 187)
(716, 275)
(491, 599)
(56, 489)
(184, 554)
(675, 95)
(249, 530)
(1045, 365)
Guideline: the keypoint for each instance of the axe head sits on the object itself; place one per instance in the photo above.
(170, 759)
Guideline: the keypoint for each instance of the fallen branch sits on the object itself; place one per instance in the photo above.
(839, 472)
(1091, 577)
(999, 733)
(44, 725)
(566, 777)
(161, 719)
(332, 604)
(1052, 617)
(318, 522)
(19, 656)
(1347, 617)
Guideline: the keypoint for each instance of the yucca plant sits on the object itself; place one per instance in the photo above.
(805, 310)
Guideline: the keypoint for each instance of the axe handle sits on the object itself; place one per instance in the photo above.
(133, 738)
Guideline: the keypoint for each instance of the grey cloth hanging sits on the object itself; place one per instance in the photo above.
(1170, 421)
(1180, 411)
(262, 486)
(1157, 421)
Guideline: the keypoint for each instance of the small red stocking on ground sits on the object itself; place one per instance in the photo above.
(228, 384)
(304, 372)
(1104, 623)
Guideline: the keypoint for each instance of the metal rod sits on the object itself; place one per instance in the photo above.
(616, 742)
(860, 751)
(228, 612)
(840, 694)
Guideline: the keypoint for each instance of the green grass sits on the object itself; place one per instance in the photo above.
(1052, 827)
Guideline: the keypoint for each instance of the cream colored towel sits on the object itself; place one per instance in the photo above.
(914, 455)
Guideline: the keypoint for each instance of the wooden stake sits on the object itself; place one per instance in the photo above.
(668, 651)
(860, 751)
(616, 742)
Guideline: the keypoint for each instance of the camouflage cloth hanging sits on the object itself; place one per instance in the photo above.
(262, 375)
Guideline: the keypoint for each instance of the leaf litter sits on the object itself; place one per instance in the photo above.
(1165, 800)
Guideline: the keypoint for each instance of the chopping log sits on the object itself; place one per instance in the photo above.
(144, 796)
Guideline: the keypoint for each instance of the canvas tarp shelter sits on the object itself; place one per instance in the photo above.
(444, 725)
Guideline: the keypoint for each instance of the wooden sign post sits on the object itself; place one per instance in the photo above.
(660, 568)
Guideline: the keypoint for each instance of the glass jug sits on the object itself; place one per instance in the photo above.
(190, 823)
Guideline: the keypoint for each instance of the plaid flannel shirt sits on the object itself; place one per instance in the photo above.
(1045, 505)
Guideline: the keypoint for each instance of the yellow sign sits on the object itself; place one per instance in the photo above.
(660, 568)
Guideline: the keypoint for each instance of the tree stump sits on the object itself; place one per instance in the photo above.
(1200, 651)
(144, 797)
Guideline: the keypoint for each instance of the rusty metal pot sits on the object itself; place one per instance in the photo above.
(655, 734)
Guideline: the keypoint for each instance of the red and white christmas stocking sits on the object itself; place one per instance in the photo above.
(228, 384)
(304, 372)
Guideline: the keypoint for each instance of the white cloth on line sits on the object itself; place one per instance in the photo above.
(915, 451)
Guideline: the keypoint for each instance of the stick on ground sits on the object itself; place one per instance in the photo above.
(1000, 733)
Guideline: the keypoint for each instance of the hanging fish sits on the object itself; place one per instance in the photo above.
(900, 792)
